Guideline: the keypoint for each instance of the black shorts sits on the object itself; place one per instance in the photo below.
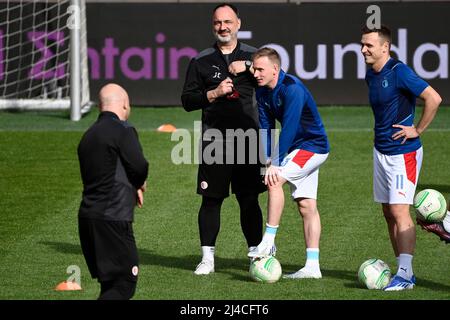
(214, 179)
(109, 249)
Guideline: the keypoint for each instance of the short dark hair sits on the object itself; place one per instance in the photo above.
(270, 53)
(384, 32)
(226, 4)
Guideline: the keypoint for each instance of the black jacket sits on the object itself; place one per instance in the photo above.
(205, 72)
(112, 168)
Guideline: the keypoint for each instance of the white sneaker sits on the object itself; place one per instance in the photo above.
(304, 274)
(204, 267)
(263, 250)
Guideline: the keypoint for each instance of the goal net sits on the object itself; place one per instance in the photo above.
(43, 56)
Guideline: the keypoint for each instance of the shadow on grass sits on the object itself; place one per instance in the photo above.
(432, 285)
(63, 247)
(148, 257)
(233, 266)
(442, 188)
(189, 262)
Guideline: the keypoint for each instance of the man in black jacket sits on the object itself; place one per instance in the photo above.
(114, 173)
(218, 81)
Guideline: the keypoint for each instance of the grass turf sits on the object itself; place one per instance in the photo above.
(41, 190)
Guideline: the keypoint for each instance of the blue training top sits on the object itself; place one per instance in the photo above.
(291, 103)
(392, 95)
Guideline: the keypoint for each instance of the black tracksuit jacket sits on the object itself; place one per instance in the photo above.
(112, 168)
(205, 72)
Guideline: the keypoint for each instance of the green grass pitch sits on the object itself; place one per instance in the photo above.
(41, 188)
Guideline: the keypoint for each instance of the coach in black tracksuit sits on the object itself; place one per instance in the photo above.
(224, 91)
(114, 171)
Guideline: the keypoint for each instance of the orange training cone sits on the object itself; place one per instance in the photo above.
(167, 127)
(67, 286)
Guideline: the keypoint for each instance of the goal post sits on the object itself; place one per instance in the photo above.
(43, 56)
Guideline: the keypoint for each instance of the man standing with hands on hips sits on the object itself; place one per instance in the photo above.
(397, 153)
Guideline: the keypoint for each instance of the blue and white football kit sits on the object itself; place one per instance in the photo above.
(303, 145)
(392, 95)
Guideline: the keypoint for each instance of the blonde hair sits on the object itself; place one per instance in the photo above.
(270, 53)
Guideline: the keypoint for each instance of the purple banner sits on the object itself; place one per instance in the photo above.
(147, 47)
(153, 62)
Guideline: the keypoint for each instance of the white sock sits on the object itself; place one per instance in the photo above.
(312, 258)
(446, 222)
(405, 266)
(208, 253)
(269, 235)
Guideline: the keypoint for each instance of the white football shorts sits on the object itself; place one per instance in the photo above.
(395, 177)
(301, 169)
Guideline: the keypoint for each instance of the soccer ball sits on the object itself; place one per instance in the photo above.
(266, 269)
(374, 274)
(430, 205)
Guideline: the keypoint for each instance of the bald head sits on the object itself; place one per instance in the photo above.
(115, 99)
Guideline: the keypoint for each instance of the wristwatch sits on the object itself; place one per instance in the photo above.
(248, 65)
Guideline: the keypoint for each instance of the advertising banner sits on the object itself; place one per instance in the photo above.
(147, 47)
